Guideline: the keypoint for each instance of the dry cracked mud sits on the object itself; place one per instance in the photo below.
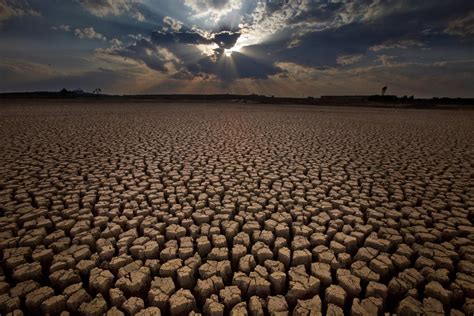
(176, 209)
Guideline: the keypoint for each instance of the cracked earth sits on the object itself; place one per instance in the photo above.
(177, 209)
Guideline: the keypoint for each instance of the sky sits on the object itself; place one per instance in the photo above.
(295, 48)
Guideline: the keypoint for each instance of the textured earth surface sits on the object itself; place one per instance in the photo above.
(142, 209)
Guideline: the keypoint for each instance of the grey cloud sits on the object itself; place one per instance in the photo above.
(400, 44)
(84, 33)
(89, 33)
(348, 59)
(224, 39)
(65, 28)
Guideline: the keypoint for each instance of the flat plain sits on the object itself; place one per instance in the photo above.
(234, 209)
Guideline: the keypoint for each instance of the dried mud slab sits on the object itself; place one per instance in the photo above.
(200, 209)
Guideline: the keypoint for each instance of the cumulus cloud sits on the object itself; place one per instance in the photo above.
(462, 27)
(84, 33)
(171, 24)
(89, 33)
(115, 43)
(65, 28)
(207, 49)
(103, 8)
(15, 8)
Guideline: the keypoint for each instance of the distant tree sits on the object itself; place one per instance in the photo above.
(384, 89)
(97, 91)
(63, 91)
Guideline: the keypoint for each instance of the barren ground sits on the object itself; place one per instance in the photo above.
(136, 208)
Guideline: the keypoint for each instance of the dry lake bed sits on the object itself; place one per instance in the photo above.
(235, 209)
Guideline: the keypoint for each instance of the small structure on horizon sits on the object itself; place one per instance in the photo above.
(384, 89)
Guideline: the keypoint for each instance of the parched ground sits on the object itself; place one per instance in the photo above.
(136, 208)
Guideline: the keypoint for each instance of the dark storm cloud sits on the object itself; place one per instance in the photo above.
(155, 57)
(185, 37)
(224, 39)
(241, 66)
(249, 67)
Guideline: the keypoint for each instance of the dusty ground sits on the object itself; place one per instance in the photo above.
(235, 209)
